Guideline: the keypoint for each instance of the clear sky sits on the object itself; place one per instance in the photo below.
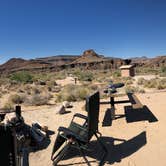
(118, 28)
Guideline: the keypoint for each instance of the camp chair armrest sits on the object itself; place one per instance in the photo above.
(65, 130)
(80, 116)
(69, 132)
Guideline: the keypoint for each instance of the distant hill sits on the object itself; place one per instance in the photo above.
(150, 62)
(156, 62)
(17, 64)
(59, 59)
(88, 60)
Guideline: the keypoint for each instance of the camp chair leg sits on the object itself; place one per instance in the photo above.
(58, 143)
(104, 148)
(84, 156)
(61, 154)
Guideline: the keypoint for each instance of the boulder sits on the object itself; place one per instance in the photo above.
(67, 104)
(60, 109)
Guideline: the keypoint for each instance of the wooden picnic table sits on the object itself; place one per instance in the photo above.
(132, 98)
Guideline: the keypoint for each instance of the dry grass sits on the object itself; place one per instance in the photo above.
(73, 93)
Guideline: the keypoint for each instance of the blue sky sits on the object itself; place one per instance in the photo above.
(118, 28)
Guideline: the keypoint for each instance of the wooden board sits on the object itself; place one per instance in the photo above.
(134, 101)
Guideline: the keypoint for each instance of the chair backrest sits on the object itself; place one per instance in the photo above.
(92, 107)
(7, 146)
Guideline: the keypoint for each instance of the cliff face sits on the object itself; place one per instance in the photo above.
(91, 60)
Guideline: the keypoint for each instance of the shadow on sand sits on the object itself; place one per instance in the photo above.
(116, 152)
(141, 114)
(131, 115)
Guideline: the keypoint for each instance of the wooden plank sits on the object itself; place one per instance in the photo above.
(134, 101)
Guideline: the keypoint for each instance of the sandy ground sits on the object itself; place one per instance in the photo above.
(67, 80)
(142, 134)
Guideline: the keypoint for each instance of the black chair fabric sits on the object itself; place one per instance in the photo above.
(7, 146)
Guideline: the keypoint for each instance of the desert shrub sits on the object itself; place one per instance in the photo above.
(133, 89)
(150, 83)
(51, 83)
(28, 89)
(93, 87)
(163, 71)
(73, 93)
(141, 90)
(130, 89)
(1, 94)
(20, 90)
(129, 82)
(83, 75)
(42, 76)
(116, 73)
(4, 80)
(35, 90)
(59, 75)
(86, 76)
(41, 82)
(155, 83)
(141, 81)
(8, 106)
(39, 99)
(49, 88)
(161, 84)
(147, 70)
(56, 89)
(16, 99)
(22, 77)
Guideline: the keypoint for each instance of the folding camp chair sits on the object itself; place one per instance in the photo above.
(77, 135)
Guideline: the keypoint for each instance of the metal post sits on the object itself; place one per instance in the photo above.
(112, 107)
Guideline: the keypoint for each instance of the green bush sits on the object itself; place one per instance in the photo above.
(83, 75)
(116, 73)
(163, 71)
(22, 77)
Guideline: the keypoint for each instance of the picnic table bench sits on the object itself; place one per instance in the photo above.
(133, 99)
(135, 102)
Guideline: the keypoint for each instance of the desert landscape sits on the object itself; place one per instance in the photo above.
(82, 83)
(135, 137)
